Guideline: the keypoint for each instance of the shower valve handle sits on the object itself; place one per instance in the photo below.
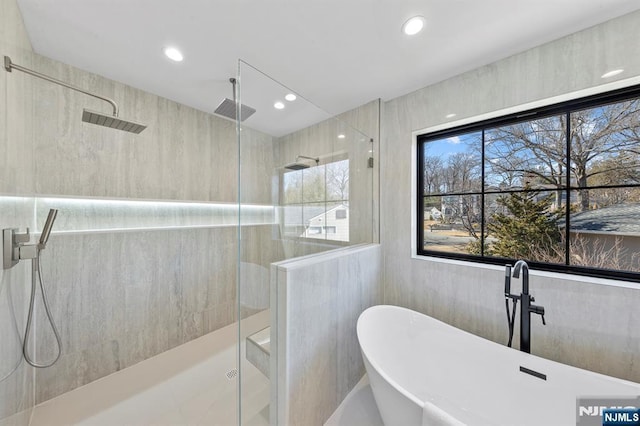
(21, 238)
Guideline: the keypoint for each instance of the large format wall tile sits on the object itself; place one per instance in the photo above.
(313, 339)
(16, 177)
(120, 298)
(184, 154)
(589, 324)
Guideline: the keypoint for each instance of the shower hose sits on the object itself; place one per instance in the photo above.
(36, 271)
(511, 318)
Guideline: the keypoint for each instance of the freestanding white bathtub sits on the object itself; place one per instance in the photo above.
(425, 372)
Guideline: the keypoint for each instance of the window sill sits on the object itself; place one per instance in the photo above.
(584, 279)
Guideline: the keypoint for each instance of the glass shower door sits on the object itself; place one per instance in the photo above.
(305, 187)
(17, 185)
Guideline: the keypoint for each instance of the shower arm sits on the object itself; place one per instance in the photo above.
(316, 159)
(9, 66)
(233, 82)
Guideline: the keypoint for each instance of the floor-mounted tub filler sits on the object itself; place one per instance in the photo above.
(425, 372)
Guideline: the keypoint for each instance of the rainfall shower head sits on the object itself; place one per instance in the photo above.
(227, 107)
(112, 122)
(298, 165)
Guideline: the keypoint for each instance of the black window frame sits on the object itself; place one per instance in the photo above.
(562, 108)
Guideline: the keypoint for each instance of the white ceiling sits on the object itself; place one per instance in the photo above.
(337, 53)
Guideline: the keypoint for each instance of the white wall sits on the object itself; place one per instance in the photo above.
(591, 323)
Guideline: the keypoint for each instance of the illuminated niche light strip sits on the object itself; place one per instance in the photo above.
(17, 212)
(88, 215)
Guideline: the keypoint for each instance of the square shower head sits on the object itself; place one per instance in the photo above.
(112, 122)
(227, 108)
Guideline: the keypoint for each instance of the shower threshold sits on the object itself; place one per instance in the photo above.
(190, 384)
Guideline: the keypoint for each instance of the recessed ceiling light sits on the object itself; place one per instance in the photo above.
(612, 73)
(450, 115)
(341, 136)
(278, 105)
(173, 54)
(413, 25)
(291, 97)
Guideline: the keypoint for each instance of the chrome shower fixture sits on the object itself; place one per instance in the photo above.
(17, 248)
(298, 165)
(101, 119)
(46, 231)
(111, 121)
(16, 245)
(227, 107)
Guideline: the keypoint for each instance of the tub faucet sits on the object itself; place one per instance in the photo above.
(526, 305)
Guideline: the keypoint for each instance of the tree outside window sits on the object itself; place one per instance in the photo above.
(562, 188)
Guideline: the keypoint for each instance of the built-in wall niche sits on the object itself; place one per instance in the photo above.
(90, 215)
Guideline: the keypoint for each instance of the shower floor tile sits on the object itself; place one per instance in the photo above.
(186, 385)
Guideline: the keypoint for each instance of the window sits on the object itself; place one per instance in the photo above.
(558, 187)
(315, 199)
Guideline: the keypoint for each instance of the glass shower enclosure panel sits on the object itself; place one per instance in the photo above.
(17, 170)
(140, 270)
(305, 187)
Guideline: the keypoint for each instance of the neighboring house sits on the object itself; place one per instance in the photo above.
(455, 206)
(312, 221)
(296, 217)
(605, 225)
(435, 214)
(330, 225)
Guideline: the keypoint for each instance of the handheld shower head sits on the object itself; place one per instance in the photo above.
(46, 231)
(507, 280)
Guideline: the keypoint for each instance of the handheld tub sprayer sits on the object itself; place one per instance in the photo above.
(511, 317)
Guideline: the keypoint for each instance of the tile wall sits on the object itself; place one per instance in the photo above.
(316, 358)
(122, 295)
(590, 323)
(16, 177)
